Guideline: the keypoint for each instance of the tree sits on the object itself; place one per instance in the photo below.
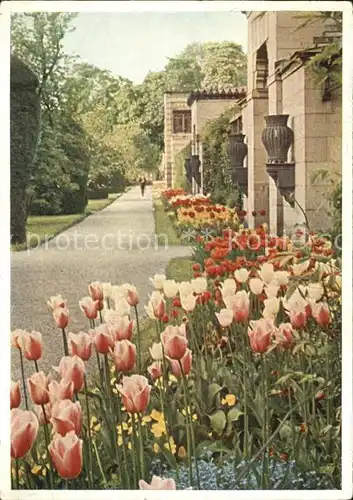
(223, 66)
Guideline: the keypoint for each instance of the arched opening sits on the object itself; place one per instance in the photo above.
(261, 72)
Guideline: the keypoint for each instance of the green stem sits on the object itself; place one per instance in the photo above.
(17, 474)
(246, 418)
(100, 316)
(142, 453)
(265, 462)
(36, 366)
(134, 450)
(120, 420)
(90, 476)
(23, 379)
(292, 424)
(99, 462)
(66, 348)
(46, 436)
(139, 363)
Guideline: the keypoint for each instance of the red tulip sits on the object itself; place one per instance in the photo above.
(96, 291)
(61, 317)
(158, 483)
(260, 332)
(81, 345)
(155, 370)
(66, 453)
(284, 335)
(185, 364)
(102, 339)
(15, 395)
(321, 313)
(38, 388)
(135, 393)
(24, 430)
(62, 390)
(89, 307)
(66, 416)
(297, 317)
(31, 345)
(174, 341)
(72, 369)
(124, 355)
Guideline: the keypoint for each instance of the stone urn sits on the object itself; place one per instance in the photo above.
(188, 171)
(237, 150)
(277, 138)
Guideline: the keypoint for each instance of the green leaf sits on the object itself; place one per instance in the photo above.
(218, 421)
(213, 390)
(234, 414)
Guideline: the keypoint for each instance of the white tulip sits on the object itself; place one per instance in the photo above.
(315, 291)
(271, 289)
(188, 302)
(282, 277)
(156, 351)
(266, 272)
(157, 281)
(170, 288)
(256, 286)
(299, 269)
(199, 284)
(186, 288)
(225, 317)
(241, 275)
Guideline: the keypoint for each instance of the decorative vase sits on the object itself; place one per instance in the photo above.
(237, 150)
(277, 138)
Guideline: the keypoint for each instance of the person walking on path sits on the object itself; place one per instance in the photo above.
(143, 185)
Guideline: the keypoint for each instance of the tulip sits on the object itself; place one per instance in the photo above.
(271, 307)
(15, 395)
(260, 332)
(199, 285)
(24, 430)
(38, 388)
(185, 362)
(66, 453)
(284, 335)
(239, 304)
(188, 302)
(241, 275)
(315, 291)
(16, 336)
(170, 288)
(297, 318)
(135, 393)
(81, 345)
(321, 313)
(56, 301)
(156, 306)
(89, 307)
(120, 327)
(66, 416)
(282, 278)
(299, 269)
(225, 317)
(157, 281)
(271, 289)
(256, 286)
(156, 351)
(31, 345)
(62, 390)
(72, 369)
(102, 339)
(155, 370)
(174, 341)
(266, 272)
(44, 417)
(122, 307)
(186, 288)
(96, 290)
(229, 287)
(61, 317)
(107, 290)
(124, 355)
(131, 295)
(158, 483)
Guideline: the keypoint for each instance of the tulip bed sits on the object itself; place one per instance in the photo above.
(240, 388)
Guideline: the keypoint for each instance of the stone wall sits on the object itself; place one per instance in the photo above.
(173, 143)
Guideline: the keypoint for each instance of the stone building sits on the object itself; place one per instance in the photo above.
(280, 83)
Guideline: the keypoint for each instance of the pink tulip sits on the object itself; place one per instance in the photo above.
(174, 341)
(38, 388)
(62, 390)
(132, 296)
(81, 345)
(284, 335)
(72, 369)
(44, 417)
(31, 345)
(61, 317)
(124, 355)
(66, 416)
(155, 370)
(185, 364)
(158, 483)
(96, 291)
(66, 453)
(298, 317)
(321, 313)
(260, 332)
(102, 339)
(24, 430)
(15, 395)
(121, 327)
(239, 304)
(135, 393)
(89, 307)
(56, 301)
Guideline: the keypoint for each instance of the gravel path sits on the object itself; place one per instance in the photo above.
(116, 245)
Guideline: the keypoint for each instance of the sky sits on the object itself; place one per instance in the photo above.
(132, 44)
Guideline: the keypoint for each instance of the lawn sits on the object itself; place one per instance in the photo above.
(41, 227)
(164, 225)
(180, 269)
